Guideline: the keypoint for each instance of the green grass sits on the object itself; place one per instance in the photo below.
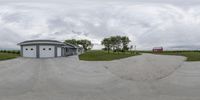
(190, 55)
(6, 56)
(99, 55)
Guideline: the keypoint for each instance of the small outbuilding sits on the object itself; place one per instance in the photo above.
(157, 49)
(48, 49)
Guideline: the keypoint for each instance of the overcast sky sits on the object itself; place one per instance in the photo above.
(173, 24)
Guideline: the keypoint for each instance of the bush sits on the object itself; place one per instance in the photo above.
(17, 52)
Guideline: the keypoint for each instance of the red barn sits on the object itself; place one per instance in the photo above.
(158, 49)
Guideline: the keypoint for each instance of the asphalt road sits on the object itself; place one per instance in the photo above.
(70, 79)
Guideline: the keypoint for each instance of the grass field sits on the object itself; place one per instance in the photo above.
(99, 55)
(191, 55)
(5, 56)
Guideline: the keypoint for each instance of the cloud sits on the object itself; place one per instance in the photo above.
(147, 24)
(9, 39)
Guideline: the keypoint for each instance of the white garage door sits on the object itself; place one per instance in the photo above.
(59, 51)
(47, 51)
(29, 51)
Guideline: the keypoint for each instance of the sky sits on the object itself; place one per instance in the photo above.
(173, 24)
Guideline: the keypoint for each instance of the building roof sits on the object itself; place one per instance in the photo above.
(49, 42)
(68, 46)
(74, 46)
(158, 48)
(33, 42)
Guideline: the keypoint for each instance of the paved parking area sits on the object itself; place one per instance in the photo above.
(71, 79)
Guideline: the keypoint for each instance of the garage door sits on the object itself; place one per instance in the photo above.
(29, 51)
(47, 51)
(59, 51)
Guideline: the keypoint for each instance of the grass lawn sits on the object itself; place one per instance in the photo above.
(5, 56)
(191, 55)
(99, 55)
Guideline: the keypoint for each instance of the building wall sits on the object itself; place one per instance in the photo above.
(47, 51)
(157, 50)
(70, 51)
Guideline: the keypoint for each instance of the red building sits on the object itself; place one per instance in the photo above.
(158, 49)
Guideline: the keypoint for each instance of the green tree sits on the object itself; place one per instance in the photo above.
(71, 41)
(125, 41)
(118, 43)
(86, 44)
(113, 42)
(107, 43)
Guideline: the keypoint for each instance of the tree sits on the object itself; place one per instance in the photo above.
(113, 42)
(125, 41)
(116, 43)
(86, 44)
(107, 43)
(71, 41)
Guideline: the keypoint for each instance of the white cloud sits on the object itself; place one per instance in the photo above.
(146, 24)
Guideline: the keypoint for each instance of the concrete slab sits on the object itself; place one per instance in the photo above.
(71, 79)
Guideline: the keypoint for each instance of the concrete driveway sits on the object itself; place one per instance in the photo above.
(71, 79)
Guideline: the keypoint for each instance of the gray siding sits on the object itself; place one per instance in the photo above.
(21, 52)
(55, 51)
(70, 51)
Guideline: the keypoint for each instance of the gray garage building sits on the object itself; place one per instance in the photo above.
(48, 49)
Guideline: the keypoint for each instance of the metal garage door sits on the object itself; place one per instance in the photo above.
(29, 51)
(47, 51)
(59, 51)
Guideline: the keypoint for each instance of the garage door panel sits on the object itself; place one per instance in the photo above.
(47, 51)
(29, 51)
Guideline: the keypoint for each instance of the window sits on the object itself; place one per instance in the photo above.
(43, 48)
(31, 48)
(26, 48)
(49, 48)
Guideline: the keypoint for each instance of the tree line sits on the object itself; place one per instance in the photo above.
(116, 43)
(10, 51)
